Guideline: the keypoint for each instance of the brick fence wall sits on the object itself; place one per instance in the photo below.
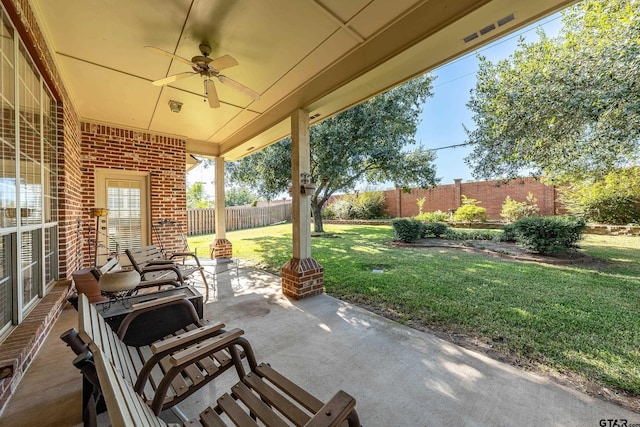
(491, 195)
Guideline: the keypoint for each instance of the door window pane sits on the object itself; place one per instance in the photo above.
(124, 220)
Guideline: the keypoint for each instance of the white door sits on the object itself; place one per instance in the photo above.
(126, 196)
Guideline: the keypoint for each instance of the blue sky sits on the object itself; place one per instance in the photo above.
(445, 113)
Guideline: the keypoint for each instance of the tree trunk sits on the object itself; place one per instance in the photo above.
(316, 211)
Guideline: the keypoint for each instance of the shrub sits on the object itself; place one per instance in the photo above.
(407, 230)
(367, 205)
(613, 200)
(435, 229)
(470, 211)
(508, 233)
(513, 210)
(436, 216)
(548, 235)
(342, 208)
(328, 212)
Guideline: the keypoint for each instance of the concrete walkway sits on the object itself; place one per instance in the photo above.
(399, 376)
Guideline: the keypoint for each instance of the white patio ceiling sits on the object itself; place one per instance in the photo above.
(319, 55)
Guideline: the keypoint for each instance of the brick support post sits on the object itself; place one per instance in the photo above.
(302, 278)
(221, 248)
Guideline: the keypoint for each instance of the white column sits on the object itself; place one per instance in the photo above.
(219, 217)
(300, 163)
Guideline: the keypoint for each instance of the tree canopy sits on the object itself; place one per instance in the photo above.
(367, 143)
(566, 107)
(197, 197)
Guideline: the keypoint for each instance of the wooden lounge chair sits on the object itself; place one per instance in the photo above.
(147, 342)
(152, 264)
(262, 394)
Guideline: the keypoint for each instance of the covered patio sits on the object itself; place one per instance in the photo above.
(399, 376)
(102, 111)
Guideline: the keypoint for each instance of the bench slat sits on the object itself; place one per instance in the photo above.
(291, 389)
(272, 397)
(256, 406)
(235, 412)
(209, 418)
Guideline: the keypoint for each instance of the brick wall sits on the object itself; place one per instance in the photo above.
(23, 343)
(491, 195)
(163, 157)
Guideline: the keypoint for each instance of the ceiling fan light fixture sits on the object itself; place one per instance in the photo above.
(175, 106)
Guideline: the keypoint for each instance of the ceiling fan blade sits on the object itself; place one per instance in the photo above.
(173, 78)
(222, 62)
(169, 54)
(240, 87)
(212, 94)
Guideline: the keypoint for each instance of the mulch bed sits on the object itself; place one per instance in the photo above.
(505, 250)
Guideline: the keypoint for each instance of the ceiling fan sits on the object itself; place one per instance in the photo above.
(207, 68)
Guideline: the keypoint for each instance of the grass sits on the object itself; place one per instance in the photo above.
(578, 319)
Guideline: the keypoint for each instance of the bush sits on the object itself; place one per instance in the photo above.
(367, 205)
(513, 210)
(407, 230)
(470, 211)
(548, 235)
(436, 216)
(435, 229)
(508, 233)
(613, 200)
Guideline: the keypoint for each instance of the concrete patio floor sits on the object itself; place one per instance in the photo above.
(398, 375)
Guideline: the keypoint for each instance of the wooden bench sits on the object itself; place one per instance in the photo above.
(152, 264)
(148, 361)
(263, 394)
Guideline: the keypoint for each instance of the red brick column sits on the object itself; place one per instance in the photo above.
(457, 192)
(221, 248)
(302, 278)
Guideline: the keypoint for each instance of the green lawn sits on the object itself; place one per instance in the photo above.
(584, 319)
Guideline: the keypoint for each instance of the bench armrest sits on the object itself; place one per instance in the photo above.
(186, 254)
(187, 338)
(335, 412)
(163, 267)
(174, 345)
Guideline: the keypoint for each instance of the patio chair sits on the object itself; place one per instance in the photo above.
(154, 264)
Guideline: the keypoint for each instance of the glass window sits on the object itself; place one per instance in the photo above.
(28, 180)
(6, 279)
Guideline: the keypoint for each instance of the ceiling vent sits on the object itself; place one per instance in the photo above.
(506, 20)
(489, 28)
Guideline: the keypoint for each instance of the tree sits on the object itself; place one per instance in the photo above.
(566, 107)
(368, 142)
(239, 195)
(197, 197)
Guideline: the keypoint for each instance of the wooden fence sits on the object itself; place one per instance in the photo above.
(201, 221)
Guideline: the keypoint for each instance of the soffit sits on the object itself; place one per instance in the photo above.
(319, 55)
